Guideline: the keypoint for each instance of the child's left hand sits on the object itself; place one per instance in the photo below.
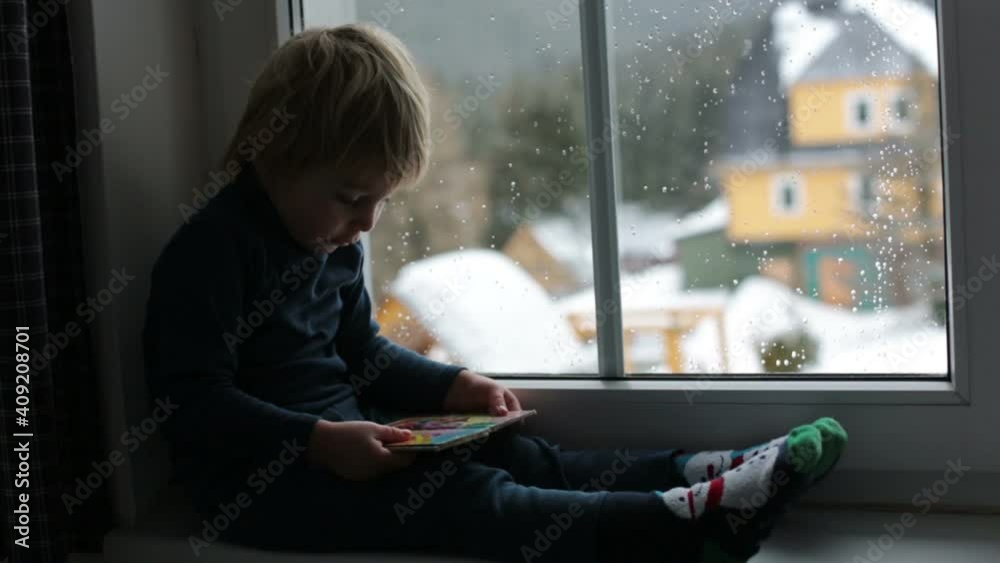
(471, 392)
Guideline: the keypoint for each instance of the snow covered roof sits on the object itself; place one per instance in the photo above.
(641, 233)
(568, 241)
(490, 315)
(713, 217)
(802, 36)
(911, 24)
(799, 36)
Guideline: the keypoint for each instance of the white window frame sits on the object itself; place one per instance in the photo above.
(857, 192)
(903, 430)
(898, 125)
(779, 182)
(851, 101)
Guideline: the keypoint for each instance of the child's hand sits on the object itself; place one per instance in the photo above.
(471, 392)
(355, 450)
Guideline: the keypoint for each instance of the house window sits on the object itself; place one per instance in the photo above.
(788, 197)
(867, 194)
(541, 238)
(861, 112)
(903, 110)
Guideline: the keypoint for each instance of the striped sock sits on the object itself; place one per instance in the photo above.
(701, 467)
(738, 507)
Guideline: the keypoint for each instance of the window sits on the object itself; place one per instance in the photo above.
(716, 248)
(788, 195)
(693, 211)
(903, 110)
(866, 195)
(861, 109)
(480, 257)
(862, 112)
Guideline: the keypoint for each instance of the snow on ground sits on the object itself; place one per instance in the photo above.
(899, 340)
(490, 315)
(921, 349)
(649, 298)
(656, 288)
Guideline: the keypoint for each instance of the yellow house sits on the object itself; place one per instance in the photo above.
(847, 170)
(552, 253)
(556, 249)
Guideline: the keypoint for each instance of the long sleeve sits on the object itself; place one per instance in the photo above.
(200, 287)
(383, 371)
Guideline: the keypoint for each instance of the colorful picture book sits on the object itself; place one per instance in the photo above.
(440, 432)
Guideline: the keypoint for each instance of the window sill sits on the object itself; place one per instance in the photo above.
(720, 389)
(805, 535)
(849, 535)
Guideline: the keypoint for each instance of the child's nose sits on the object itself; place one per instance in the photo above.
(365, 221)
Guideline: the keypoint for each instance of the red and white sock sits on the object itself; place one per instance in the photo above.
(705, 466)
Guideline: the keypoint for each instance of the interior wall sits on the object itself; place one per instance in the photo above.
(164, 142)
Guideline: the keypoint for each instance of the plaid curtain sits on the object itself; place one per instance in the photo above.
(41, 286)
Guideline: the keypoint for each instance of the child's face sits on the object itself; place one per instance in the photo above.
(330, 209)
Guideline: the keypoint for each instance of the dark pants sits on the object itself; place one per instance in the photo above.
(508, 498)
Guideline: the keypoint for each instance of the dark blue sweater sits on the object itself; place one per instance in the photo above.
(255, 339)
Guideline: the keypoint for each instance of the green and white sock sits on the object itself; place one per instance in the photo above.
(765, 482)
(704, 466)
(834, 442)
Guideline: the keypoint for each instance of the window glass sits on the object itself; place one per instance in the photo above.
(474, 264)
(716, 99)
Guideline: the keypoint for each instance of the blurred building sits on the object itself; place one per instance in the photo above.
(834, 178)
(556, 249)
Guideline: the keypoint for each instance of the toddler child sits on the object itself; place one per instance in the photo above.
(259, 325)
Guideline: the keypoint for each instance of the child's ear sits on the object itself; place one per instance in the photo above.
(391, 179)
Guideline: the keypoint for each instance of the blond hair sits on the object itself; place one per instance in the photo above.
(356, 98)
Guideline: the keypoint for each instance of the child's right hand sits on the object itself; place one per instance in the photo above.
(356, 450)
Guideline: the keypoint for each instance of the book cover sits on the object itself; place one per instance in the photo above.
(434, 433)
